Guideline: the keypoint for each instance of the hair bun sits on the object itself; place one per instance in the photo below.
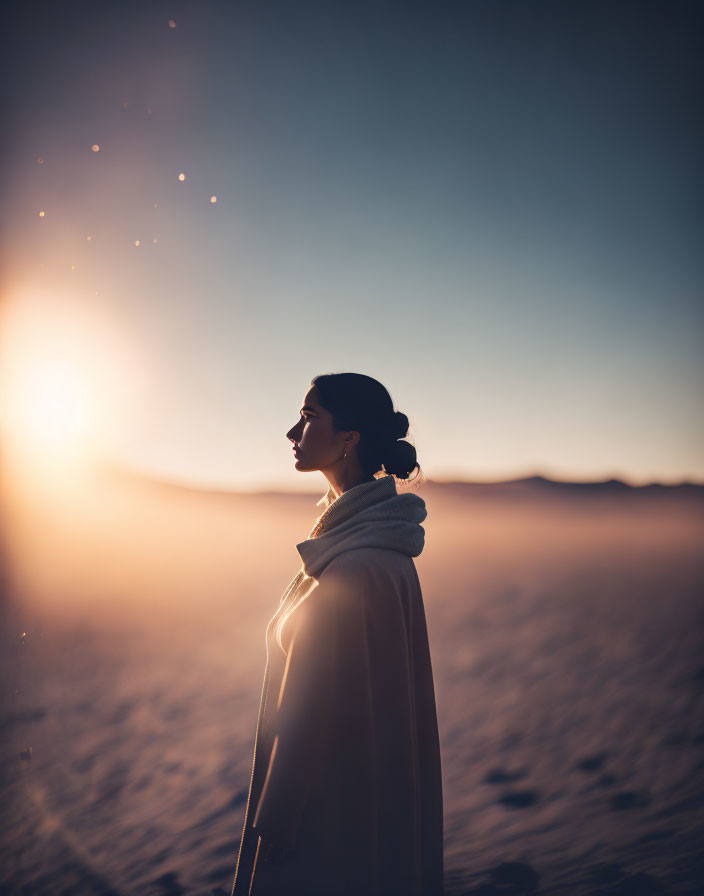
(400, 459)
(400, 425)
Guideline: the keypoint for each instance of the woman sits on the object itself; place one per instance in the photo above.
(345, 797)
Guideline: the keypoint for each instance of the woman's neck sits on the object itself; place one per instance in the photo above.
(346, 480)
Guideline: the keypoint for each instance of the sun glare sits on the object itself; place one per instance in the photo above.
(56, 406)
(65, 377)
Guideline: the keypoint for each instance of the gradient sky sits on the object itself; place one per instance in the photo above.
(494, 208)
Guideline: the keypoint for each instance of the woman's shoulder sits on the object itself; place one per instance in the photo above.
(374, 566)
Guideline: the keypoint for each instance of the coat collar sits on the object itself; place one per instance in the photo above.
(372, 514)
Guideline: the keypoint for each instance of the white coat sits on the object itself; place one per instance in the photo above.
(346, 772)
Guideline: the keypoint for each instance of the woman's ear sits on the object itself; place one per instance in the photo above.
(351, 439)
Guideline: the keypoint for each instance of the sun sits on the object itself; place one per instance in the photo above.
(66, 377)
(48, 402)
(55, 406)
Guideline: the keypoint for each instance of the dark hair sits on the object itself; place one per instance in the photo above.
(361, 403)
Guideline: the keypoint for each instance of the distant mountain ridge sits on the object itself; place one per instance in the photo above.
(544, 488)
(603, 485)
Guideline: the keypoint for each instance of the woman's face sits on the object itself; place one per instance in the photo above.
(316, 445)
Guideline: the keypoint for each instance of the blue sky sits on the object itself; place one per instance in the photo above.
(494, 208)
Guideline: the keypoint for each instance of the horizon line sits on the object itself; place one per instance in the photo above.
(274, 488)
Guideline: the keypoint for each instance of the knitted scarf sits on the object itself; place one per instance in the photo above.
(371, 514)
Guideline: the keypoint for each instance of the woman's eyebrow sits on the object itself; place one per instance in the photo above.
(307, 407)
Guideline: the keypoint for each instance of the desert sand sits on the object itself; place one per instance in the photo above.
(565, 626)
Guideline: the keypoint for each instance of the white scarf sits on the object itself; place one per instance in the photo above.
(371, 514)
